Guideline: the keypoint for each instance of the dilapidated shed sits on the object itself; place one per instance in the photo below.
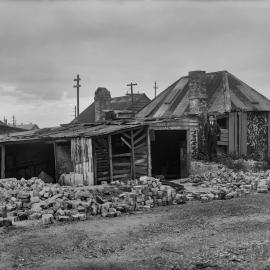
(243, 113)
(100, 152)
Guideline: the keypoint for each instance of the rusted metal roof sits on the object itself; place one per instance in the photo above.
(225, 93)
(68, 131)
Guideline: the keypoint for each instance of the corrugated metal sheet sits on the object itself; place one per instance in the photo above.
(225, 92)
(65, 132)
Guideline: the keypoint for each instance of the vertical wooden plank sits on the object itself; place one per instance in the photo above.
(94, 161)
(231, 133)
(90, 163)
(55, 162)
(3, 160)
(133, 173)
(268, 130)
(149, 161)
(240, 132)
(236, 133)
(243, 137)
(188, 135)
(110, 157)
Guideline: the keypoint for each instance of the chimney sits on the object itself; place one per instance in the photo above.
(197, 92)
(102, 102)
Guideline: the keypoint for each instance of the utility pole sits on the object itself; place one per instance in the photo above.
(155, 87)
(75, 112)
(131, 90)
(13, 121)
(77, 80)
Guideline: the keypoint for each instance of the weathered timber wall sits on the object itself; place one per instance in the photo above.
(82, 158)
(63, 163)
(257, 135)
(101, 159)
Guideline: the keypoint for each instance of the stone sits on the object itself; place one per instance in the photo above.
(36, 207)
(34, 216)
(60, 212)
(63, 218)
(47, 219)
(35, 199)
(5, 222)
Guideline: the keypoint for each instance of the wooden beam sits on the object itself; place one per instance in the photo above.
(136, 132)
(121, 155)
(149, 161)
(140, 139)
(3, 161)
(126, 143)
(127, 136)
(110, 157)
(133, 173)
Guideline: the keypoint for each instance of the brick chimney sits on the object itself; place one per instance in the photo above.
(102, 102)
(197, 92)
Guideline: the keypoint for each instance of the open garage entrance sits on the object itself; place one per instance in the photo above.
(29, 159)
(169, 153)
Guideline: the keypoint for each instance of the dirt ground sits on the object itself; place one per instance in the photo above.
(232, 234)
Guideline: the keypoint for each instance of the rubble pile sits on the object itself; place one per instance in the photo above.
(149, 192)
(33, 199)
(219, 182)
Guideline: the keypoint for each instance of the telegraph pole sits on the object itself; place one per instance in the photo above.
(155, 87)
(75, 111)
(131, 90)
(77, 80)
(13, 120)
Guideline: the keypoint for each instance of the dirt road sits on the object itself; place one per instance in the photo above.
(233, 234)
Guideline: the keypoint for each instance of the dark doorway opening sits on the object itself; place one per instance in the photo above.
(29, 159)
(169, 153)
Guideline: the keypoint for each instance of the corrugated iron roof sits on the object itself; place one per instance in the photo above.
(68, 131)
(225, 93)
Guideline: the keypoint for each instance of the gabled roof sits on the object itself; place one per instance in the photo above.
(225, 93)
(27, 126)
(117, 103)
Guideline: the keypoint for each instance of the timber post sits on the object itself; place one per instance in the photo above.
(3, 161)
(110, 157)
(149, 167)
(133, 174)
(268, 129)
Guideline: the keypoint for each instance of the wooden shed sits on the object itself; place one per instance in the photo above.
(99, 152)
(242, 112)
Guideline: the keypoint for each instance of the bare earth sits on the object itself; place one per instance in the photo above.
(233, 234)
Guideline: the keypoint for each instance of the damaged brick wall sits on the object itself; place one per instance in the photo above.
(257, 135)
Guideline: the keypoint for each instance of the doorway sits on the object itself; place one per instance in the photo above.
(29, 159)
(169, 153)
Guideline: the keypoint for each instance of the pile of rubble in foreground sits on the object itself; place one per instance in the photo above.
(219, 182)
(33, 199)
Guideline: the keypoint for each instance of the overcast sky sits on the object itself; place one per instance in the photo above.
(44, 44)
